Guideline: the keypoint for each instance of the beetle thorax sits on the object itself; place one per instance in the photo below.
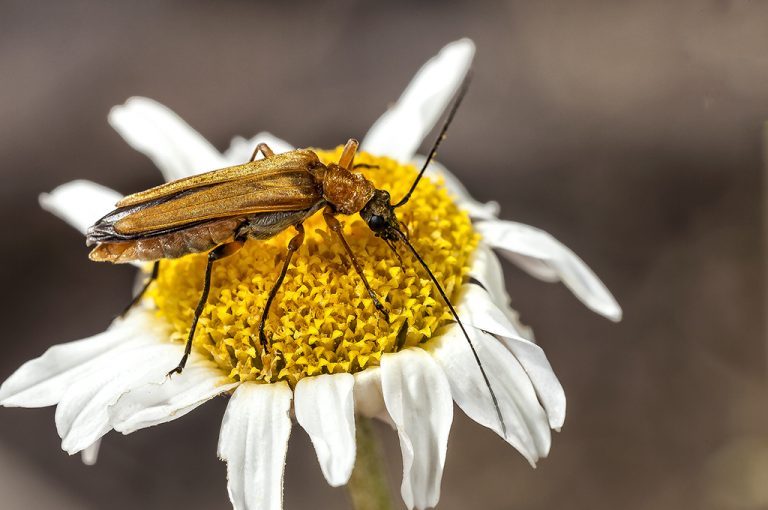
(348, 192)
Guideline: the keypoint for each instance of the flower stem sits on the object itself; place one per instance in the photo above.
(368, 487)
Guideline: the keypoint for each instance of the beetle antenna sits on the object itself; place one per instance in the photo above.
(466, 335)
(440, 137)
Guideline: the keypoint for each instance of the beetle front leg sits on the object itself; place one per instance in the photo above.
(224, 250)
(335, 227)
(347, 158)
(294, 244)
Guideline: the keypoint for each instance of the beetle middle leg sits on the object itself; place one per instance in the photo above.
(140, 294)
(224, 250)
(264, 148)
(335, 226)
(293, 245)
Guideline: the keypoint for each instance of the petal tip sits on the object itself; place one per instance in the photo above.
(464, 44)
(140, 101)
(611, 310)
(119, 109)
(44, 199)
(118, 113)
(90, 455)
(8, 400)
(557, 418)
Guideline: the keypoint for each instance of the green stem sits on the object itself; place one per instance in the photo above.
(368, 486)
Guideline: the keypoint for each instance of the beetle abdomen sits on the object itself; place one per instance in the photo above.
(267, 225)
(171, 245)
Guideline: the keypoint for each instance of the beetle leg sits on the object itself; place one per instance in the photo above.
(348, 154)
(140, 294)
(335, 226)
(293, 246)
(364, 165)
(392, 247)
(221, 251)
(264, 148)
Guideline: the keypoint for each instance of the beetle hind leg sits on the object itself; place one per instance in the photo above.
(217, 253)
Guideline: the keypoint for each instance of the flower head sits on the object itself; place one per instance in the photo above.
(332, 356)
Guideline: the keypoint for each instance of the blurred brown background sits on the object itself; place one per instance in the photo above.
(629, 130)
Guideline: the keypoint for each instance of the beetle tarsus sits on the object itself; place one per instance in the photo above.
(180, 368)
(381, 308)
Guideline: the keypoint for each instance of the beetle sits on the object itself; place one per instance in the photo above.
(216, 212)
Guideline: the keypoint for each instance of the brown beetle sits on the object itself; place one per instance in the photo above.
(216, 212)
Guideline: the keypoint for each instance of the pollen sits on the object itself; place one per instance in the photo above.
(322, 320)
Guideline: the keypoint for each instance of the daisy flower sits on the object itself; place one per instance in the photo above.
(332, 359)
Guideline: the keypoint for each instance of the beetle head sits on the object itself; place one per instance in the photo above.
(380, 217)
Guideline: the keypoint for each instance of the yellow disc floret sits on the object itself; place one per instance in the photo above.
(322, 320)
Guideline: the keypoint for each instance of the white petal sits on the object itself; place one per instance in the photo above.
(532, 243)
(241, 149)
(253, 442)
(90, 455)
(82, 415)
(486, 269)
(418, 398)
(400, 131)
(484, 315)
(545, 382)
(325, 408)
(369, 397)
(475, 209)
(160, 402)
(534, 267)
(43, 381)
(80, 203)
(154, 130)
(525, 420)
(477, 308)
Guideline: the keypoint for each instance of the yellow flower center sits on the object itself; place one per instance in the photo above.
(322, 320)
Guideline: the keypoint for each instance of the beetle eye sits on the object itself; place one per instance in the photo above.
(376, 222)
